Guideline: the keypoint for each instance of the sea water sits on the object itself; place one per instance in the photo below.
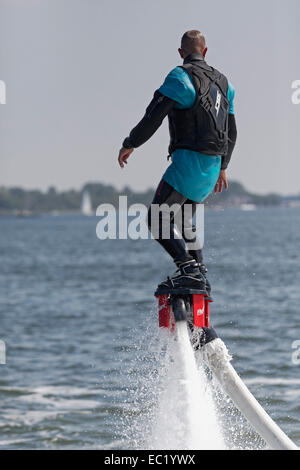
(86, 366)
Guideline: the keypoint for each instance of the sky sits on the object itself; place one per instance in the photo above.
(80, 73)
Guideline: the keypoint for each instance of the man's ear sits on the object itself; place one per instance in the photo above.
(181, 53)
(204, 52)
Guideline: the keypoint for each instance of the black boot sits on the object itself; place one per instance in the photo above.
(203, 270)
(188, 280)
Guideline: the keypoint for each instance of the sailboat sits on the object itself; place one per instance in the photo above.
(86, 204)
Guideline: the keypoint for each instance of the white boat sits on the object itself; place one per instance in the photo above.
(248, 207)
(86, 204)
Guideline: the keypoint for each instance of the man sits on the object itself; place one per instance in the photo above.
(199, 103)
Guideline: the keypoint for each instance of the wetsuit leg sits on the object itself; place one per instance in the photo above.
(163, 222)
(194, 245)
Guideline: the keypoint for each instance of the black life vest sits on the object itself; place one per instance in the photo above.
(204, 126)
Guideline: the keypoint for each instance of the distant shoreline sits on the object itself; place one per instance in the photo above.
(21, 202)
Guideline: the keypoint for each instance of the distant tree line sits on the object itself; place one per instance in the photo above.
(18, 200)
(237, 195)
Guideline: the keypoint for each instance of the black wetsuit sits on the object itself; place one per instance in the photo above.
(176, 246)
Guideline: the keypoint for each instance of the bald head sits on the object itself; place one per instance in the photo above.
(192, 42)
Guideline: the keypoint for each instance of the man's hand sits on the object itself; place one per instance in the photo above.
(123, 156)
(222, 181)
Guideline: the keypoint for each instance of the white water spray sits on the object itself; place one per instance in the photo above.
(172, 402)
(185, 417)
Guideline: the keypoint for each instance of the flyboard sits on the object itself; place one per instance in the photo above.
(192, 307)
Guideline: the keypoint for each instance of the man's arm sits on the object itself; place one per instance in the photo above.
(154, 116)
(232, 135)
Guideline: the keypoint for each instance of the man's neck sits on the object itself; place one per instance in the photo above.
(192, 57)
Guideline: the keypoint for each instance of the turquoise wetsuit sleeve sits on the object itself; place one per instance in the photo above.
(179, 87)
(230, 96)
